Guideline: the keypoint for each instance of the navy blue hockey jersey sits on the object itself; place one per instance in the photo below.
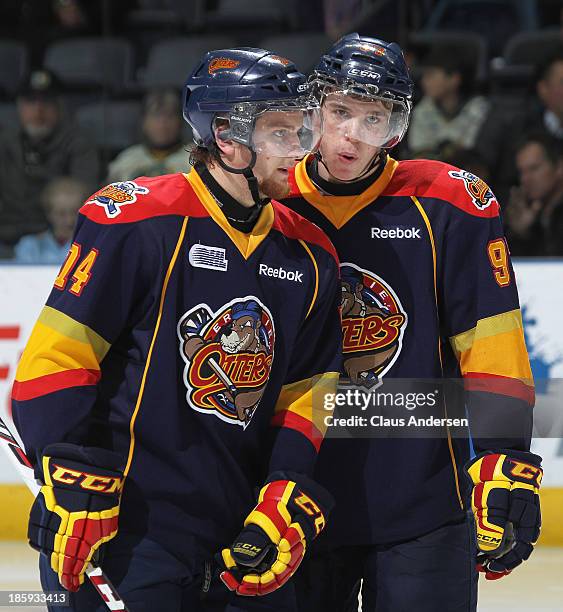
(428, 292)
(190, 348)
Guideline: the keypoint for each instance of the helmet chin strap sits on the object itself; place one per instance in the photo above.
(368, 169)
(248, 175)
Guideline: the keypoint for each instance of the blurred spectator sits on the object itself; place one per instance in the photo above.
(71, 16)
(340, 16)
(534, 215)
(544, 113)
(449, 114)
(550, 92)
(162, 150)
(43, 145)
(61, 200)
(40, 22)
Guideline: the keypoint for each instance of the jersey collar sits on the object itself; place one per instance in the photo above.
(340, 209)
(245, 243)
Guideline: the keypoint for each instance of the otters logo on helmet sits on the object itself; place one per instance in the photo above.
(222, 63)
(115, 195)
(377, 50)
(283, 60)
(228, 355)
(481, 194)
(373, 325)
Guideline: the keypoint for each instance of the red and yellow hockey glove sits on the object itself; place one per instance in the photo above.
(76, 509)
(506, 507)
(273, 542)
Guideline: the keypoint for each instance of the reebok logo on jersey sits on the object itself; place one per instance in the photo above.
(209, 257)
(409, 233)
(266, 270)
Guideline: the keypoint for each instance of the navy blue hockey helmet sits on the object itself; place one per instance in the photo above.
(240, 84)
(369, 68)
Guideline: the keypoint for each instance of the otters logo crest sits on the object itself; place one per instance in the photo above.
(373, 49)
(115, 195)
(283, 60)
(373, 325)
(481, 194)
(222, 63)
(228, 355)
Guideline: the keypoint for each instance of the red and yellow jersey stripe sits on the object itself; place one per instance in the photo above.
(300, 406)
(493, 356)
(61, 353)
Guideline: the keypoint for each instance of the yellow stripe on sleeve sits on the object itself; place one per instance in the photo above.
(496, 346)
(71, 328)
(59, 343)
(489, 326)
(306, 398)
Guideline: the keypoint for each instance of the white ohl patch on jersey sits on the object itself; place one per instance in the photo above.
(209, 257)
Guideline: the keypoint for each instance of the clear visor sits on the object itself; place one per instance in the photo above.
(287, 132)
(376, 121)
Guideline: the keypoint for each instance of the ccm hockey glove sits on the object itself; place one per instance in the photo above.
(506, 507)
(291, 512)
(76, 509)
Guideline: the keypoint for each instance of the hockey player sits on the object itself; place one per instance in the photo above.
(171, 372)
(428, 292)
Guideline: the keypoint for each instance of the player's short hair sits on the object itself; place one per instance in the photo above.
(207, 155)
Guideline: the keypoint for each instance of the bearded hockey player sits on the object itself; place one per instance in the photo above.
(428, 292)
(171, 373)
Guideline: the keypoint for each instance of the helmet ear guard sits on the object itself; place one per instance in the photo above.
(241, 121)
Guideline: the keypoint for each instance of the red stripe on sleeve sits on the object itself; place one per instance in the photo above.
(30, 389)
(492, 383)
(291, 420)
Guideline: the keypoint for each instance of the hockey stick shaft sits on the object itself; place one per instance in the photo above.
(223, 376)
(18, 458)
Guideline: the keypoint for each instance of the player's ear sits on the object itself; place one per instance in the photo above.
(225, 145)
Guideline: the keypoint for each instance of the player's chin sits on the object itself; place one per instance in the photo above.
(276, 186)
(345, 172)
